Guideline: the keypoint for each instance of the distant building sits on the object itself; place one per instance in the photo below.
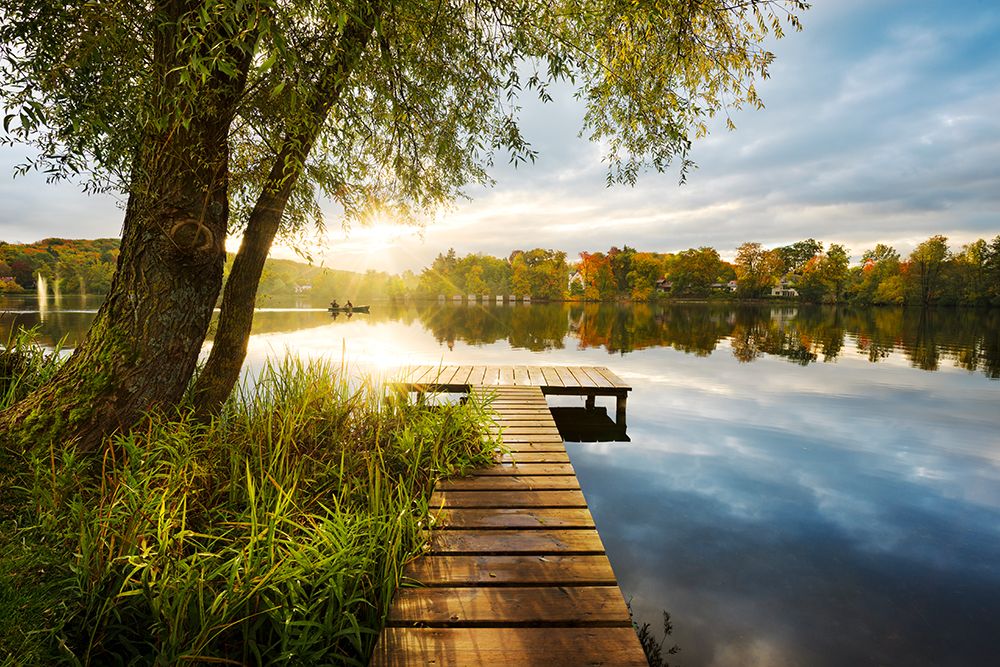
(302, 289)
(664, 285)
(722, 287)
(784, 289)
(576, 278)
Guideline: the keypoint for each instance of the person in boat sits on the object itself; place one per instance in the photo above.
(334, 305)
(348, 305)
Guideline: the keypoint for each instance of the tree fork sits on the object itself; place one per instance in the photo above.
(229, 347)
(142, 348)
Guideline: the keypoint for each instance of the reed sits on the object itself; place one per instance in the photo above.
(275, 534)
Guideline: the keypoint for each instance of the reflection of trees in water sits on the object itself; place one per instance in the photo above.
(534, 328)
(966, 338)
(969, 338)
(695, 329)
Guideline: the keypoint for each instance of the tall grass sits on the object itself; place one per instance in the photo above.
(276, 534)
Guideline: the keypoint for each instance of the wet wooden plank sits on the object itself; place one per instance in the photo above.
(503, 541)
(511, 483)
(525, 518)
(566, 376)
(514, 498)
(597, 378)
(536, 457)
(514, 433)
(476, 375)
(534, 446)
(462, 375)
(615, 381)
(510, 438)
(523, 570)
(527, 469)
(509, 647)
(581, 377)
(551, 377)
(573, 606)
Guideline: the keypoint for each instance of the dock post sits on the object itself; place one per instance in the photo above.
(620, 410)
(590, 401)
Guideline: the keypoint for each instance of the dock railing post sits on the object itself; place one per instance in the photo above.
(620, 410)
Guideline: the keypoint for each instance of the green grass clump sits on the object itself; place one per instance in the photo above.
(275, 534)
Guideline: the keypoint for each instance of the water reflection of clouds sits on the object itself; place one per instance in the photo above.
(800, 508)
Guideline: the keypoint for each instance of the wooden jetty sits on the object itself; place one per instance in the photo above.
(516, 574)
(589, 381)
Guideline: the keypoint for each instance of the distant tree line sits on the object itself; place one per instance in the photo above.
(71, 265)
(933, 274)
(538, 273)
(805, 271)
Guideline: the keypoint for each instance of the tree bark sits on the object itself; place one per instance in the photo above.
(229, 346)
(142, 348)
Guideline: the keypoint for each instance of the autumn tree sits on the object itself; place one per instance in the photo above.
(262, 108)
(695, 270)
(757, 269)
(926, 263)
(794, 257)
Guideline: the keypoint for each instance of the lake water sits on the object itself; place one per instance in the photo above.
(812, 486)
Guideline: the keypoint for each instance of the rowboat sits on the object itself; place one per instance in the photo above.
(352, 309)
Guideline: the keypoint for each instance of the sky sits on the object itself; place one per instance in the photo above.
(882, 125)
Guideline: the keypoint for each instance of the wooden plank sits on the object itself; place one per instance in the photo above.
(446, 374)
(598, 379)
(412, 374)
(476, 376)
(615, 381)
(535, 376)
(531, 433)
(509, 647)
(502, 541)
(521, 377)
(462, 375)
(524, 570)
(566, 376)
(527, 469)
(534, 446)
(580, 374)
(506, 375)
(516, 498)
(510, 483)
(524, 518)
(492, 377)
(551, 377)
(523, 421)
(532, 606)
(511, 438)
(536, 457)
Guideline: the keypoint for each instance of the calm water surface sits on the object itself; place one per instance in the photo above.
(802, 486)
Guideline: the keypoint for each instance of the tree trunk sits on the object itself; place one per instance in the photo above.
(229, 347)
(143, 345)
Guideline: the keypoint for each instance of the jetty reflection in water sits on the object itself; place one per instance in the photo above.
(798, 489)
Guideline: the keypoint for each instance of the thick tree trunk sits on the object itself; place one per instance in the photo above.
(229, 347)
(144, 343)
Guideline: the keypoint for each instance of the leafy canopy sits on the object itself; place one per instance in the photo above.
(426, 108)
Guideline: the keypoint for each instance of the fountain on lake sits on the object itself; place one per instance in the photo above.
(42, 285)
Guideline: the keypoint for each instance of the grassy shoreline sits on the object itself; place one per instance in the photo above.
(275, 534)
